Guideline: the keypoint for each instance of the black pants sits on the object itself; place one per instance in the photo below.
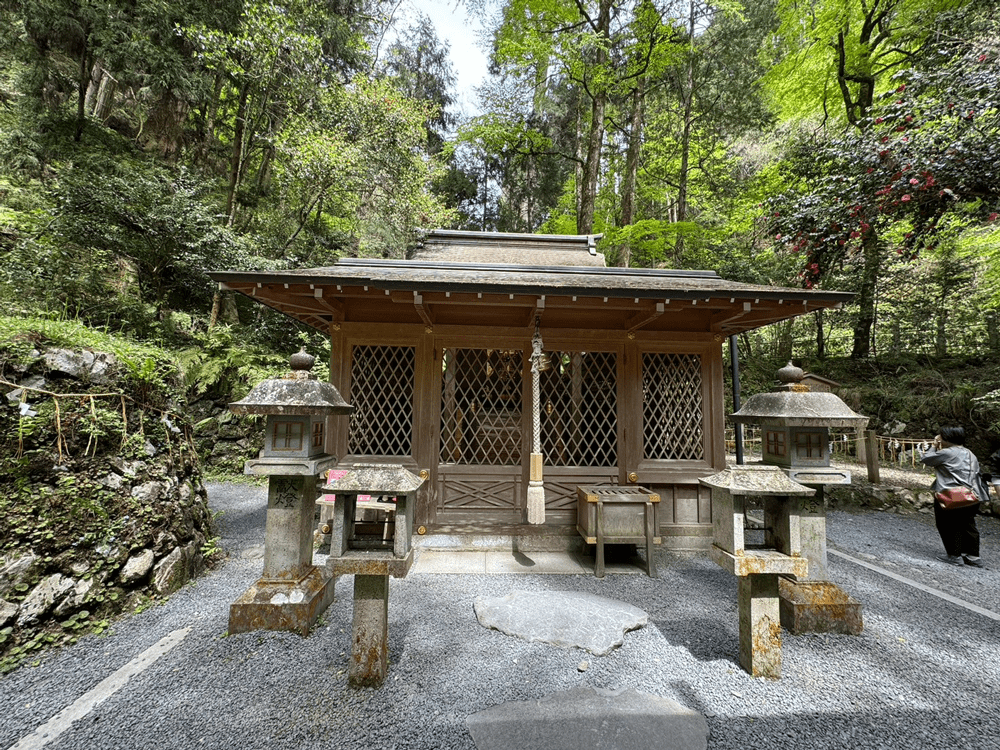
(958, 531)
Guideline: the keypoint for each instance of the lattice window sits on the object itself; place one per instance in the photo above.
(579, 403)
(287, 436)
(672, 420)
(809, 444)
(481, 391)
(775, 443)
(382, 380)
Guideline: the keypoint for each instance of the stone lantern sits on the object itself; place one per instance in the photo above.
(371, 552)
(758, 567)
(291, 592)
(795, 427)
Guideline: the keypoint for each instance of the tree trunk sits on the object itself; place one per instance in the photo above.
(682, 180)
(96, 74)
(83, 80)
(578, 164)
(866, 296)
(213, 317)
(595, 139)
(941, 340)
(992, 331)
(237, 157)
(820, 340)
(632, 167)
(213, 108)
(105, 99)
(592, 166)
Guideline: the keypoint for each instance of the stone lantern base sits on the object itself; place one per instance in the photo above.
(283, 605)
(818, 607)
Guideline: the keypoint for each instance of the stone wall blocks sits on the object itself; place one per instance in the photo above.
(137, 567)
(123, 468)
(112, 481)
(148, 492)
(165, 541)
(170, 573)
(194, 558)
(69, 363)
(8, 611)
(76, 599)
(16, 570)
(41, 598)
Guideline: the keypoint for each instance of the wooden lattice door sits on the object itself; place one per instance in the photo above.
(480, 477)
(579, 421)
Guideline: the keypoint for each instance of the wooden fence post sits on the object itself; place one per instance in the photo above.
(871, 456)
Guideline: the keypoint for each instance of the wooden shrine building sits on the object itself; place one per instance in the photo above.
(434, 353)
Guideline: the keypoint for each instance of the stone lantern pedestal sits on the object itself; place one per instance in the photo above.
(371, 555)
(758, 568)
(291, 593)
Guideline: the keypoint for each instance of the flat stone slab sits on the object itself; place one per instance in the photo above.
(567, 619)
(591, 718)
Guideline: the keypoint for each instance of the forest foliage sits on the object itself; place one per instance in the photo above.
(827, 143)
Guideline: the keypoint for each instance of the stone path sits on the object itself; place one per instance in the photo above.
(590, 718)
(567, 619)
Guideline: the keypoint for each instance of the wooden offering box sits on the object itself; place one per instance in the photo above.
(618, 515)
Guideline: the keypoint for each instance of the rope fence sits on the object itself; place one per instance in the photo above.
(893, 452)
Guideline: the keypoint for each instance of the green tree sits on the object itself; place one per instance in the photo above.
(922, 172)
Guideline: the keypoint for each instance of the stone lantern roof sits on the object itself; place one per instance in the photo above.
(376, 479)
(297, 393)
(755, 480)
(792, 404)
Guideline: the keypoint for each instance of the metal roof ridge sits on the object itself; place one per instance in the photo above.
(577, 270)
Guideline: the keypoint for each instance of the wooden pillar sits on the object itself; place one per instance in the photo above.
(871, 456)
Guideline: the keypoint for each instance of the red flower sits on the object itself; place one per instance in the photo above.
(993, 216)
(914, 181)
(902, 87)
(905, 198)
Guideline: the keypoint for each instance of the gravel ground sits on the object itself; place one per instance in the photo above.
(925, 673)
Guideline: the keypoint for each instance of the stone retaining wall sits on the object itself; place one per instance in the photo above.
(901, 499)
(101, 512)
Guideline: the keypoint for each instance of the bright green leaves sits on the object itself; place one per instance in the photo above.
(832, 57)
(360, 155)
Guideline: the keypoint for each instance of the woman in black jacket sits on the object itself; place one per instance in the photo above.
(956, 466)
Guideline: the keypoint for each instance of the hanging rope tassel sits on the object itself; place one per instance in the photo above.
(536, 489)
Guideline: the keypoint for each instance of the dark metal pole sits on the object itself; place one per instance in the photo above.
(734, 360)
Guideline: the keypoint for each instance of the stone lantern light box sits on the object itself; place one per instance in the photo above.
(296, 408)
(795, 427)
